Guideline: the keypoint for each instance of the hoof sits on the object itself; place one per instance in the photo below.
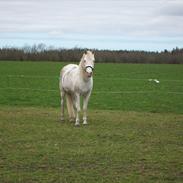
(77, 124)
(85, 123)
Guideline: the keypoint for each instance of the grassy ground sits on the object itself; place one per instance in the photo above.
(116, 86)
(134, 132)
(115, 147)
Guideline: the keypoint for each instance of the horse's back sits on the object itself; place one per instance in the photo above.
(68, 68)
(66, 81)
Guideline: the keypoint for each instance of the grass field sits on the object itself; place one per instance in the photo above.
(116, 86)
(134, 132)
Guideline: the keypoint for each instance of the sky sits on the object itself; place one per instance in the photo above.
(150, 25)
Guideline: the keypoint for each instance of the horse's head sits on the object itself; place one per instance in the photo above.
(88, 60)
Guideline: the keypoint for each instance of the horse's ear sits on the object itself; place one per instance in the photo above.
(85, 52)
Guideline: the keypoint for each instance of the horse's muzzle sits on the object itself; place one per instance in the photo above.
(89, 74)
(89, 70)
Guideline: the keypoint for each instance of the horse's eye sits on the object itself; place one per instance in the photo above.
(84, 61)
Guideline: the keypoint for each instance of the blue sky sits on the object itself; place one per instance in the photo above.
(152, 25)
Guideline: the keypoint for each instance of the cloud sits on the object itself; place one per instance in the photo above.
(172, 8)
(79, 20)
(74, 15)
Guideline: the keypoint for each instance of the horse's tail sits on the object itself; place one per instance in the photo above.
(70, 106)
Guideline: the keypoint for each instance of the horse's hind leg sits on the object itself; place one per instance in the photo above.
(70, 107)
(62, 95)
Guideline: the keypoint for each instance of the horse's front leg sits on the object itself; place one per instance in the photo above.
(85, 105)
(78, 109)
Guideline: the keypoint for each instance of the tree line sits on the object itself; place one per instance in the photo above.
(42, 53)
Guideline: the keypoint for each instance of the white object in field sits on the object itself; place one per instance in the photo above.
(157, 81)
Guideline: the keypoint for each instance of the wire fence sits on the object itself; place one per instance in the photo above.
(98, 78)
(96, 92)
(8, 84)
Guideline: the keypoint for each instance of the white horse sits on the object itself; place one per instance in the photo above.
(76, 81)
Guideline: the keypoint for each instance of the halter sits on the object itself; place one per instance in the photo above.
(89, 67)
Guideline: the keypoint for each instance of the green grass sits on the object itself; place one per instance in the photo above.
(130, 81)
(115, 147)
(134, 132)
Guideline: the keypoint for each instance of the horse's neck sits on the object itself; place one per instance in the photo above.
(82, 72)
(80, 64)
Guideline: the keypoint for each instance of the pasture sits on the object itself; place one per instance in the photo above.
(134, 132)
(116, 86)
